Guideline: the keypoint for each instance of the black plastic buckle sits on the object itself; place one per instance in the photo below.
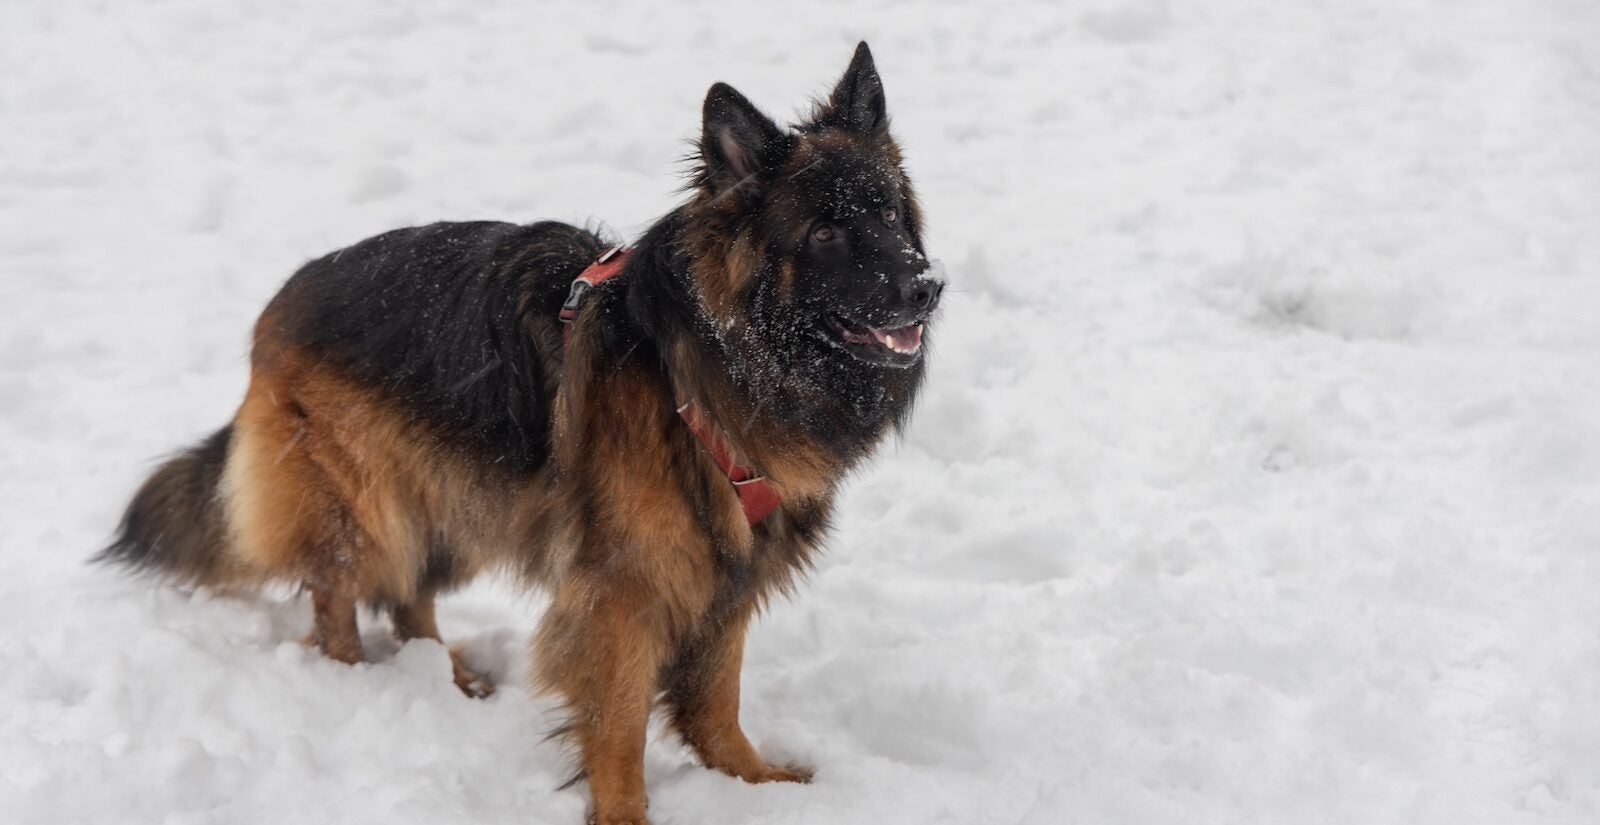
(574, 298)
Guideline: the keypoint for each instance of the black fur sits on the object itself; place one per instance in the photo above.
(801, 380)
(175, 522)
(737, 140)
(857, 103)
(438, 317)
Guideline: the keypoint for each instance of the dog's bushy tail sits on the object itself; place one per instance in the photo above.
(175, 527)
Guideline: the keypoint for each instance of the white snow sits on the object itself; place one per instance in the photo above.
(1257, 480)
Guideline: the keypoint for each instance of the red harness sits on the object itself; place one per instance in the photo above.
(756, 495)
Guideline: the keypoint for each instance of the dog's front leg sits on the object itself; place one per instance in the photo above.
(702, 694)
(600, 646)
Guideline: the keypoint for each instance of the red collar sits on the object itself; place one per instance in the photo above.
(756, 496)
(755, 493)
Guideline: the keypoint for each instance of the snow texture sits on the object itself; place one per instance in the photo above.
(1257, 480)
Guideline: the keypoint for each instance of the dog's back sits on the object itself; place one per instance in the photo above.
(437, 320)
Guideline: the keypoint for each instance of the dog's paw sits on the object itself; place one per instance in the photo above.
(788, 773)
(474, 685)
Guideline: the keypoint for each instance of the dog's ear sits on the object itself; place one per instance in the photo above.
(738, 144)
(857, 103)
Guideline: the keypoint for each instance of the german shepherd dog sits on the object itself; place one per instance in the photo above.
(414, 416)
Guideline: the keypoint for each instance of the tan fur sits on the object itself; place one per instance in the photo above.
(328, 486)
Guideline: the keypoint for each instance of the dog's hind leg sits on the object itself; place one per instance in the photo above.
(287, 518)
(702, 696)
(333, 625)
(415, 620)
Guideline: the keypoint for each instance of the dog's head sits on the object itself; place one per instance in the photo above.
(811, 238)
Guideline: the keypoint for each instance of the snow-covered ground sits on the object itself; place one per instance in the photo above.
(1258, 478)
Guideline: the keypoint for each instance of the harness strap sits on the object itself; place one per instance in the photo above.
(756, 495)
(606, 267)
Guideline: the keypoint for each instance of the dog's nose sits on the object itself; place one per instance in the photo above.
(920, 293)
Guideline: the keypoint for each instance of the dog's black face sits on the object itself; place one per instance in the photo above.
(804, 254)
(860, 270)
(824, 222)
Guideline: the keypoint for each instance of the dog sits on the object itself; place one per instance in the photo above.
(656, 435)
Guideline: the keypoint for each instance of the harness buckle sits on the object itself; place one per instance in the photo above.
(603, 268)
(574, 299)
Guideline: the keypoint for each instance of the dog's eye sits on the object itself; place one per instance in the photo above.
(890, 215)
(823, 233)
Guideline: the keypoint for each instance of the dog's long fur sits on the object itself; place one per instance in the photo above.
(413, 418)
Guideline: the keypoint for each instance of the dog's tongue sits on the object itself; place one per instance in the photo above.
(907, 339)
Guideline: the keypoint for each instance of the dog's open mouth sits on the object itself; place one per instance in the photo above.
(899, 344)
